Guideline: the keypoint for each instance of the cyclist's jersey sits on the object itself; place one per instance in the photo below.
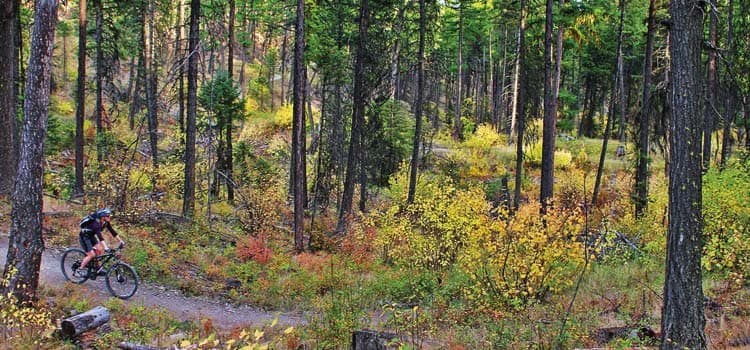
(95, 229)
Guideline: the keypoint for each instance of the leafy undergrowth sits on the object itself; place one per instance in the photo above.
(456, 269)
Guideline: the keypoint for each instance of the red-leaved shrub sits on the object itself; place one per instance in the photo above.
(254, 248)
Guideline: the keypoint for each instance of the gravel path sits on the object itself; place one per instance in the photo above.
(225, 316)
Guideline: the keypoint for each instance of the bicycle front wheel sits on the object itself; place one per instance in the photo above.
(70, 263)
(122, 280)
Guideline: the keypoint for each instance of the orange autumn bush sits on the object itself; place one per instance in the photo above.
(255, 249)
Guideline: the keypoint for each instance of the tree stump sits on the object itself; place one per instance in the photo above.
(74, 326)
(374, 340)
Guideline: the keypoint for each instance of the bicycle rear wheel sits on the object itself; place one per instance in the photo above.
(122, 280)
(69, 264)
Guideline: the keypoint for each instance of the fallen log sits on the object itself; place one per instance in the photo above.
(155, 216)
(131, 346)
(74, 326)
(374, 340)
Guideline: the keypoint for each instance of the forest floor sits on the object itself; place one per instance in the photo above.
(225, 316)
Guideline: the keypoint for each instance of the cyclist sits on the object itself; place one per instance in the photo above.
(91, 238)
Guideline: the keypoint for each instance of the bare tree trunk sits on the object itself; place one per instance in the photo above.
(729, 102)
(516, 82)
(419, 105)
(298, 128)
(8, 97)
(65, 57)
(683, 321)
(519, 105)
(621, 80)
(99, 108)
(137, 99)
(180, 58)
(188, 198)
(80, 97)
(228, 158)
(20, 76)
(396, 53)
(611, 109)
(493, 90)
(708, 113)
(25, 244)
(354, 161)
(501, 97)
(550, 119)
(282, 57)
(457, 112)
(642, 171)
(151, 104)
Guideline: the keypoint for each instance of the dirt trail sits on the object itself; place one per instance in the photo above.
(224, 316)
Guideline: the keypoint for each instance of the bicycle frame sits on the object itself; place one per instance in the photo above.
(107, 259)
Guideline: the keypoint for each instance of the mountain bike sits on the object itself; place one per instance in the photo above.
(121, 278)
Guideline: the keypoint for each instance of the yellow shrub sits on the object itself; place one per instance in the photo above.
(251, 105)
(563, 159)
(726, 214)
(431, 233)
(22, 327)
(283, 117)
(484, 138)
(533, 156)
(519, 260)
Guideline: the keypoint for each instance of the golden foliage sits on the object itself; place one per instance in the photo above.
(522, 258)
(22, 326)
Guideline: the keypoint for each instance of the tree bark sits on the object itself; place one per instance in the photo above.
(729, 102)
(282, 57)
(642, 171)
(8, 97)
(151, 94)
(519, 105)
(354, 159)
(25, 244)
(605, 142)
(298, 128)
(74, 326)
(188, 198)
(459, 77)
(396, 54)
(611, 109)
(683, 319)
(137, 99)
(80, 97)
(419, 106)
(99, 107)
(228, 158)
(516, 79)
(180, 58)
(708, 112)
(621, 80)
(550, 119)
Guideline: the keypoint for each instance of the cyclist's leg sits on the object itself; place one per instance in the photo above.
(98, 250)
(88, 247)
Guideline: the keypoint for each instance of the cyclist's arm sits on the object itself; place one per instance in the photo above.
(113, 232)
(98, 234)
